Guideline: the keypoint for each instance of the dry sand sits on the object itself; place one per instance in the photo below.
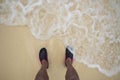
(19, 57)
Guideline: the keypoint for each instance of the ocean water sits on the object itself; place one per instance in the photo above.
(90, 27)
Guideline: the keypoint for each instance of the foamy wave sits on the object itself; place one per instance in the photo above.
(92, 27)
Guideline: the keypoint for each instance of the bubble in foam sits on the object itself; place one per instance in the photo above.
(90, 27)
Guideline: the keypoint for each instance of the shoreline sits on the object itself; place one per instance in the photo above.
(19, 50)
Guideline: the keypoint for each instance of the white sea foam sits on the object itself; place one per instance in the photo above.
(91, 27)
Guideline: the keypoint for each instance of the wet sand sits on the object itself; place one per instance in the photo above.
(19, 57)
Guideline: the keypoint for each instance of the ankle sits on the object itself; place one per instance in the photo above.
(44, 64)
(68, 62)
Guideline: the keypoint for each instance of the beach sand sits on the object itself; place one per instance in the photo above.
(19, 57)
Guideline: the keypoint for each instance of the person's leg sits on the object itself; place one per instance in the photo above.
(42, 74)
(71, 73)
